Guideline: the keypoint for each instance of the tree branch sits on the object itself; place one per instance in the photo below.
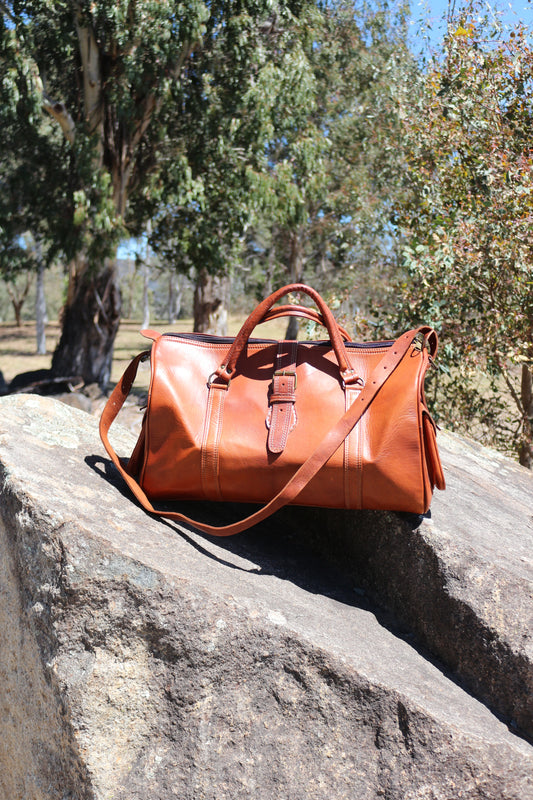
(56, 108)
(60, 113)
(186, 52)
(510, 386)
(18, 296)
(92, 72)
(150, 106)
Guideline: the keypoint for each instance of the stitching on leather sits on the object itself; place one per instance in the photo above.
(280, 426)
(352, 454)
(216, 443)
(205, 435)
(211, 444)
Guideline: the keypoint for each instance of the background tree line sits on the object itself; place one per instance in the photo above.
(254, 143)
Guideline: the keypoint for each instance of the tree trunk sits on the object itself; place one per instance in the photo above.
(271, 265)
(40, 310)
(146, 296)
(526, 396)
(18, 299)
(129, 303)
(17, 308)
(296, 265)
(210, 299)
(90, 325)
(174, 298)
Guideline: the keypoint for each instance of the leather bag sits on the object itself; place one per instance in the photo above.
(327, 423)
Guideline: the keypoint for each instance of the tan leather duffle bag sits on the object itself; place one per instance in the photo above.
(324, 423)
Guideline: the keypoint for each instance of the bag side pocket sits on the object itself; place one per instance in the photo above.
(433, 462)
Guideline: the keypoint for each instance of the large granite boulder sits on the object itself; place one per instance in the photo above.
(319, 655)
(462, 583)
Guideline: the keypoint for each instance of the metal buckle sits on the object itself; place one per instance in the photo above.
(419, 342)
(357, 382)
(290, 373)
(212, 378)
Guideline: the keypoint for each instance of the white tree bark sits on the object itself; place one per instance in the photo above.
(174, 297)
(59, 112)
(92, 73)
(146, 296)
(40, 306)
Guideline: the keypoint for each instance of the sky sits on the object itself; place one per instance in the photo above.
(430, 15)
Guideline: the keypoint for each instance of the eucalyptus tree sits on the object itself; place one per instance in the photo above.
(468, 231)
(284, 147)
(332, 164)
(110, 77)
(208, 201)
(102, 73)
(31, 176)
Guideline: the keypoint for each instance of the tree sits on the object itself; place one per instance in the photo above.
(468, 230)
(41, 317)
(104, 74)
(111, 78)
(328, 178)
(30, 176)
(206, 204)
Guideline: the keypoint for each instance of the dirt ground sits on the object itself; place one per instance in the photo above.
(18, 345)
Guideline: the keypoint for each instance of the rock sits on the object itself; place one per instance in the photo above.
(463, 582)
(76, 400)
(41, 381)
(142, 660)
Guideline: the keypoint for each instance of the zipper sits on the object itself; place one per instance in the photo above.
(206, 337)
(210, 339)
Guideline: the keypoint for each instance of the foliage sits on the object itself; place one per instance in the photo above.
(287, 138)
(102, 72)
(329, 172)
(205, 204)
(290, 147)
(118, 81)
(468, 228)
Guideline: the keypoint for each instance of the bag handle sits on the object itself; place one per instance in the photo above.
(331, 442)
(227, 368)
(274, 313)
(306, 313)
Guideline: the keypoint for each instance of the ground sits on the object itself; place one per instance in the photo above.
(18, 345)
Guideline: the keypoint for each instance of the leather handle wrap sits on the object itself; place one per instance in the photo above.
(305, 313)
(228, 365)
(306, 471)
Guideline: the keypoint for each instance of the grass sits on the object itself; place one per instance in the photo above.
(17, 354)
(17, 348)
(17, 345)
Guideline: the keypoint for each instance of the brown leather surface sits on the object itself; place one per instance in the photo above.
(358, 446)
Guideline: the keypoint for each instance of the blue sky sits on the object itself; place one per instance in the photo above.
(429, 16)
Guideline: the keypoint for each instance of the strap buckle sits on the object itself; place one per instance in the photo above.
(349, 377)
(291, 373)
(213, 377)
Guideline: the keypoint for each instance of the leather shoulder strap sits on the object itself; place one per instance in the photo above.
(305, 472)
